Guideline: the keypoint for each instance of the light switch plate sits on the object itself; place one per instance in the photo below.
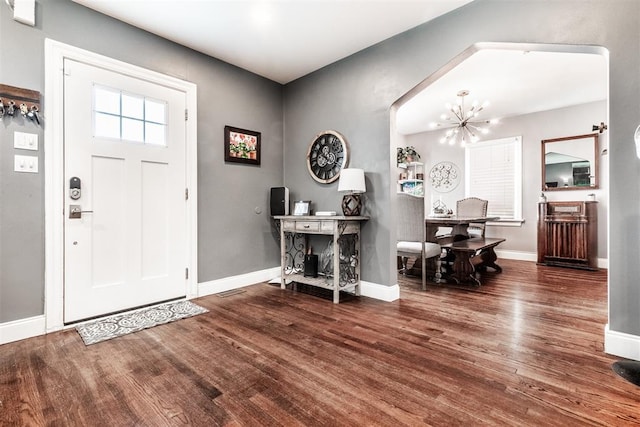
(25, 164)
(25, 141)
(25, 11)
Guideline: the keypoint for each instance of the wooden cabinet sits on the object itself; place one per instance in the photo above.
(568, 234)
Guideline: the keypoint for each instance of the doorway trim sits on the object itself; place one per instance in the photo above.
(395, 138)
(55, 54)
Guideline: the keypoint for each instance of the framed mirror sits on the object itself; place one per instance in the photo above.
(570, 163)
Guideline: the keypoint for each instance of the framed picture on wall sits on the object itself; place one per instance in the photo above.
(241, 145)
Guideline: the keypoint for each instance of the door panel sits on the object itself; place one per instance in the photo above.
(154, 224)
(105, 222)
(128, 248)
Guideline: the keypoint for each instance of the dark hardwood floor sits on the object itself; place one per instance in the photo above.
(525, 349)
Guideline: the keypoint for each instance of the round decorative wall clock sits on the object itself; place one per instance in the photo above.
(328, 154)
(444, 177)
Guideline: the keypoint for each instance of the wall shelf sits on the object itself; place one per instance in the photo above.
(414, 181)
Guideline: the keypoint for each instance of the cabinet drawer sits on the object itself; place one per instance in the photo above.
(308, 226)
(565, 209)
(326, 226)
(320, 227)
(289, 225)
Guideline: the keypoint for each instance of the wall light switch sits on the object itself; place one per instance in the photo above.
(25, 141)
(25, 164)
(25, 11)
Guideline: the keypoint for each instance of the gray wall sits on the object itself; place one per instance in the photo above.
(354, 95)
(228, 193)
(533, 128)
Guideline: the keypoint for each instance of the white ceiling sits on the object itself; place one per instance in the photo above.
(283, 40)
(514, 82)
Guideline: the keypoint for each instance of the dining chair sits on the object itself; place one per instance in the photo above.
(473, 206)
(411, 236)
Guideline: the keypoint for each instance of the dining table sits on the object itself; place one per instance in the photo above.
(466, 257)
(458, 225)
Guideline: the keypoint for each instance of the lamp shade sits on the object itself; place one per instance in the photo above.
(352, 180)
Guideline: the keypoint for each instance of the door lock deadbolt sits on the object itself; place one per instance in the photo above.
(74, 188)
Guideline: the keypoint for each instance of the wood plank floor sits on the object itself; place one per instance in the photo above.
(525, 349)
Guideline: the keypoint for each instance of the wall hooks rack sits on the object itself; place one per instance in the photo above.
(15, 101)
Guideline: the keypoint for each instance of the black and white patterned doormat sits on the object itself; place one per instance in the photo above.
(125, 323)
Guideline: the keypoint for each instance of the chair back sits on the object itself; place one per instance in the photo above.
(410, 216)
(411, 232)
(471, 206)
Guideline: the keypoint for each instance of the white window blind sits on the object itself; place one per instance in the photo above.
(493, 171)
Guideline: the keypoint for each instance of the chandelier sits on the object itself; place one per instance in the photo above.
(460, 122)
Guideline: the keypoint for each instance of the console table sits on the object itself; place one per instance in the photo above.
(345, 234)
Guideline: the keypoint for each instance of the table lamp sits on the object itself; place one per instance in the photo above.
(352, 183)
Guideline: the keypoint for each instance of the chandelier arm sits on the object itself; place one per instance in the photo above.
(478, 125)
(457, 115)
(448, 127)
(465, 129)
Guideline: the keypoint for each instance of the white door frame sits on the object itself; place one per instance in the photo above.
(55, 54)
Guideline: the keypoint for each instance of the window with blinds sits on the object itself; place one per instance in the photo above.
(493, 171)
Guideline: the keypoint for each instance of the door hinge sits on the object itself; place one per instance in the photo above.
(186, 273)
(186, 115)
(186, 194)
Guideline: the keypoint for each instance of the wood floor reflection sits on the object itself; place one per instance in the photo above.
(526, 348)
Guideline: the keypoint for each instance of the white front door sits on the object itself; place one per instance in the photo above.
(125, 236)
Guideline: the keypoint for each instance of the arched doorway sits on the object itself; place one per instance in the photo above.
(546, 104)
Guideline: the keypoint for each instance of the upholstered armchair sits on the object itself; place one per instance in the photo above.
(473, 206)
(411, 234)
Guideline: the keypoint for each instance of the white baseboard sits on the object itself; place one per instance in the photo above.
(234, 282)
(21, 329)
(367, 289)
(381, 292)
(517, 255)
(621, 344)
(531, 256)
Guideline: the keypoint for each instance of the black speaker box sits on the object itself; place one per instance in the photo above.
(279, 201)
(310, 266)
